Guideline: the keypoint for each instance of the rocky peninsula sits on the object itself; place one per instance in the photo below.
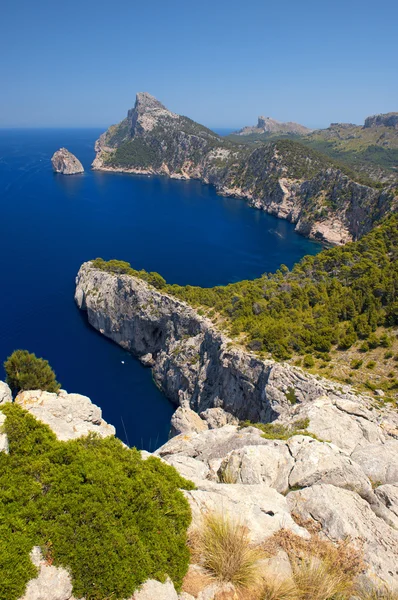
(66, 163)
(282, 177)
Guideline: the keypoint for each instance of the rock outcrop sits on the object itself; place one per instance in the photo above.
(267, 125)
(70, 416)
(385, 120)
(281, 177)
(66, 163)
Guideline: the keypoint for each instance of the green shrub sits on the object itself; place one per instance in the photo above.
(371, 364)
(27, 372)
(308, 361)
(93, 506)
(356, 363)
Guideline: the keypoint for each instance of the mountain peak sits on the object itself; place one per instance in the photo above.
(147, 102)
(388, 120)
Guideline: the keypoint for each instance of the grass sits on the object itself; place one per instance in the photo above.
(226, 552)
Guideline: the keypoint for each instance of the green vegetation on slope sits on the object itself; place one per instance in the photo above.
(335, 297)
(27, 372)
(93, 506)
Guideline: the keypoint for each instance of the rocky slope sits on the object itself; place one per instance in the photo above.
(267, 125)
(343, 484)
(66, 163)
(281, 177)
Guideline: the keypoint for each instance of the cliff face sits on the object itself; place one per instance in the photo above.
(281, 177)
(66, 163)
(386, 120)
(194, 364)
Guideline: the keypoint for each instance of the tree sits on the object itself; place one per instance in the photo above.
(27, 372)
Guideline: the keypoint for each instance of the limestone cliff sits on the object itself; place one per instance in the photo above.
(66, 163)
(281, 177)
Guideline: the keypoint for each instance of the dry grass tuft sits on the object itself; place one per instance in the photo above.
(226, 552)
(317, 579)
(278, 589)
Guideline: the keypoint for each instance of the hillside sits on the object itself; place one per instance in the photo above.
(325, 200)
(371, 148)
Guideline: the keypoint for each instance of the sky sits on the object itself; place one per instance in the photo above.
(79, 63)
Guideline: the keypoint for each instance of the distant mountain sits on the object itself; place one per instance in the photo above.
(283, 177)
(267, 125)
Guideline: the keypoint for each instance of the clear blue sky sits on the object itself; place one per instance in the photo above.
(221, 62)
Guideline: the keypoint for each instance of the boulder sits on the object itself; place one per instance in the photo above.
(155, 590)
(5, 393)
(185, 420)
(344, 514)
(70, 416)
(190, 468)
(51, 583)
(270, 463)
(379, 461)
(258, 507)
(218, 417)
(317, 462)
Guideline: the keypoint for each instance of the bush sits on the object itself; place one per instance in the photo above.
(27, 372)
(308, 361)
(93, 506)
(227, 553)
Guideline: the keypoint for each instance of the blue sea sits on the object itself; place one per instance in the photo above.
(52, 223)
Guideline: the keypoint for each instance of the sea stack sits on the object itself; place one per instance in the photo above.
(66, 163)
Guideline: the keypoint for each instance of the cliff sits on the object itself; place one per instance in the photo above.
(66, 163)
(281, 177)
(386, 120)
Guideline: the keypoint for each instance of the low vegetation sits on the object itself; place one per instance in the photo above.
(277, 431)
(25, 371)
(93, 506)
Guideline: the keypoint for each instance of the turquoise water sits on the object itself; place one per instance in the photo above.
(52, 223)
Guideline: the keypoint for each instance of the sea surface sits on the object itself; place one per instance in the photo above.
(52, 223)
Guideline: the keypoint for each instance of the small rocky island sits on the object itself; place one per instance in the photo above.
(66, 163)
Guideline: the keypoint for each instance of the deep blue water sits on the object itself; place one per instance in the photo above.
(52, 223)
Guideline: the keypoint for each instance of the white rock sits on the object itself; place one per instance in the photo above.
(5, 393)
(269, 464)
(379, 461)
(51, 583)
(190, 468)
(317, 462)
(218, 417)
(155, 590)
(185, 420)
(388, 495)
(343, 514)
(70, 416)
(3, 436)
(258, 507)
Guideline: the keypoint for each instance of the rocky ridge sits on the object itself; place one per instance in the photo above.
(66, 163)
(267, 125)
(281, 177)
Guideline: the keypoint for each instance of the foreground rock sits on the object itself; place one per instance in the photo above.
(66, 163)
(70, 416)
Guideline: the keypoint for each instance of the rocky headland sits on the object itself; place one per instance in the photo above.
(66, 163)
(281, 177)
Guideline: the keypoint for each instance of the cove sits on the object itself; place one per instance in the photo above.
(51, 224)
